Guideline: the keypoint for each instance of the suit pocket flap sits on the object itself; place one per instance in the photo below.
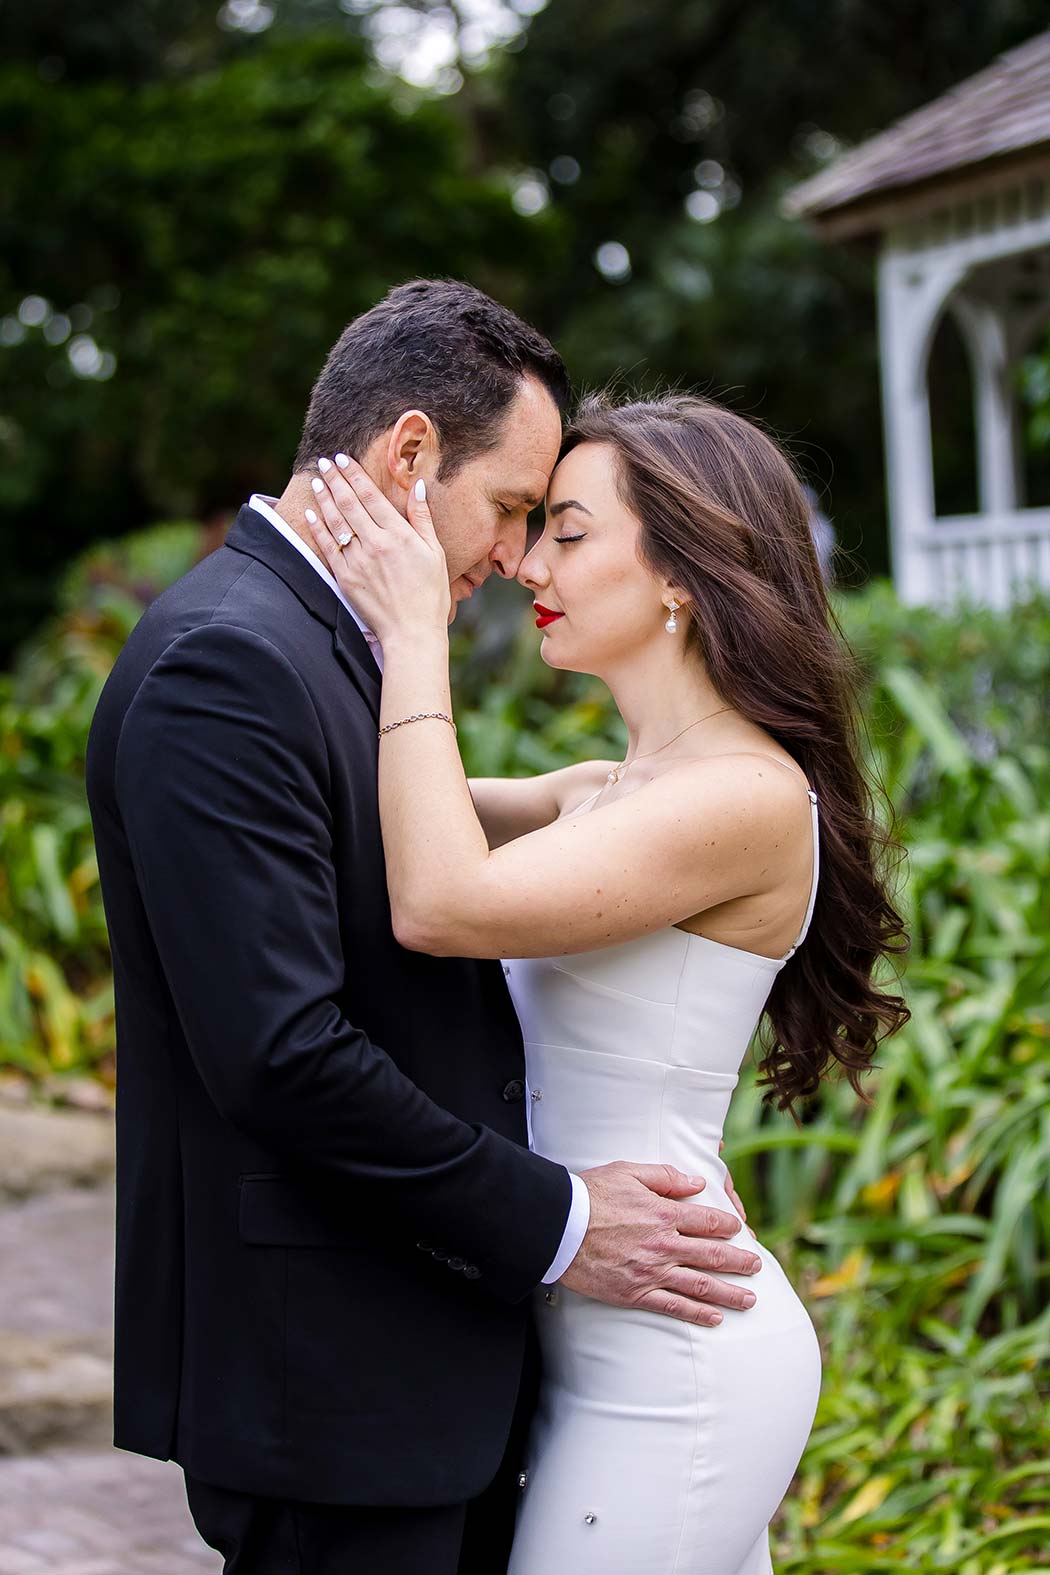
(274, 1213)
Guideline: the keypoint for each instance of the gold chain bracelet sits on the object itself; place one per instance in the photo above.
(421, 716)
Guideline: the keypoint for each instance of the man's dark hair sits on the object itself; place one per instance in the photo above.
(436, 345)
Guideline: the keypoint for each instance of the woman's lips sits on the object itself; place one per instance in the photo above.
(544, 615)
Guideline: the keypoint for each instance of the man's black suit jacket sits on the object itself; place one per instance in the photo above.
(328, 1221)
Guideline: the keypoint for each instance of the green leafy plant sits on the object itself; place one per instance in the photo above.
(917, 1227)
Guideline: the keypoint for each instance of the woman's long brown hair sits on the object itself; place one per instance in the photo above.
(724, 517)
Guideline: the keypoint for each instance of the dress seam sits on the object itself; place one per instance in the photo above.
(610, 989)
(697, 1443)
(690, 1332)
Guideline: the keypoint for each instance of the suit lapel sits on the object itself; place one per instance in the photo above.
(257, 538)
(351, 649)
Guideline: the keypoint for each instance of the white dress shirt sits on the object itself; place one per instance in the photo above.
(580, 1207)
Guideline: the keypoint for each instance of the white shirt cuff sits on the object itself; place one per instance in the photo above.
(575, 1230)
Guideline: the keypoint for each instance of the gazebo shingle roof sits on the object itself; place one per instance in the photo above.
(1002, 111)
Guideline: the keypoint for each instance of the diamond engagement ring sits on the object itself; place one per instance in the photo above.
(345, 537)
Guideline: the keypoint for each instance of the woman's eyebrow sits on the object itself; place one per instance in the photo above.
(567, 503)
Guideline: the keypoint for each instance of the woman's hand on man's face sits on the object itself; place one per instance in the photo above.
(391, 569)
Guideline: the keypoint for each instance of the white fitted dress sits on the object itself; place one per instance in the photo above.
(658, 1447)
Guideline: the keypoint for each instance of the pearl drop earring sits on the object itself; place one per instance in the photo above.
(672, 623)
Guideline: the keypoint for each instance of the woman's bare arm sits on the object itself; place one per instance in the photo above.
(511, 807)
(703, 834)
(710, 831)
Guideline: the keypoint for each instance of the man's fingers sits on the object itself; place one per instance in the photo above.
(704, 1256)
(695, 1219)
(697, 1286)
(667, 1181)
(679, 1307)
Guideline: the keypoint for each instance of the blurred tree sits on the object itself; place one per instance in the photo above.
(205, 238)
(665, 135)
(196, 195)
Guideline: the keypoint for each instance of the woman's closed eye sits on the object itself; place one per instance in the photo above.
(565, 539)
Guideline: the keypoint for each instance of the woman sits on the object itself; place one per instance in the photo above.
(649, 912)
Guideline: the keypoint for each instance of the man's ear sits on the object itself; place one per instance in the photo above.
(411, 450)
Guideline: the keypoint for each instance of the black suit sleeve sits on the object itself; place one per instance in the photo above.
(222, 779)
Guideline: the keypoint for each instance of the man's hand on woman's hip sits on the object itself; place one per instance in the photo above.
(650, 1246)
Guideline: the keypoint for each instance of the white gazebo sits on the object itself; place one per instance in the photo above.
(958, 197)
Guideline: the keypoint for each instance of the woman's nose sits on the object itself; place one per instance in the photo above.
(532, 571)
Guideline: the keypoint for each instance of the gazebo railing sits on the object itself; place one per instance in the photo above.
(993, 559)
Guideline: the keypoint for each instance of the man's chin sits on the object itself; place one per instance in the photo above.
(462, 591)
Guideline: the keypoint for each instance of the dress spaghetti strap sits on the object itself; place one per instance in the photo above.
(814, 821)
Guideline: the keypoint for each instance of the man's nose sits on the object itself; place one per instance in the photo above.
(508, 554)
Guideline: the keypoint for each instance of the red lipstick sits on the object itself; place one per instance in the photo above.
(544, 615)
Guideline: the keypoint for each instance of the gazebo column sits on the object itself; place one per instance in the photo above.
(987, 333)
(910, 298)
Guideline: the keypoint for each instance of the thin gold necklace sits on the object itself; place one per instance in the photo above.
(617, 771)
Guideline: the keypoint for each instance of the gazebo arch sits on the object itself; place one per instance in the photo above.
(958, 195)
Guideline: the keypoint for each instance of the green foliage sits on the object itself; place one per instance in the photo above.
(723, 106)
(213, 233)
(210, 209)
(56, 988)
(1035, 394)
(917, 1227)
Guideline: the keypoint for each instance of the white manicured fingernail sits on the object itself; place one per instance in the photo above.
(421, 489)
(311, 517)
(323, 465)
(342, 461)
(317, 484)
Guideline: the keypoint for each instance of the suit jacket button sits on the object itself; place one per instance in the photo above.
(472, 1272)
(457, 1263)
(425, 1246)
(514, 1090)
(440, 1254)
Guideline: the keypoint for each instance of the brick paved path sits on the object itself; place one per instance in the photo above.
(84, 1508)
(97, 1512)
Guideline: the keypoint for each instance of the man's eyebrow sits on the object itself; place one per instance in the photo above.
(567, 503)
(529, 499)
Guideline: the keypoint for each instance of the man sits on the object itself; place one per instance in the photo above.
(329, 1220)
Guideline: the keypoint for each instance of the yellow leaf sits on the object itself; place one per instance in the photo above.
(854, 1265)
(867, 1498)
(881, 1193)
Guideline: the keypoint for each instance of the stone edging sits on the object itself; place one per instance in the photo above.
(42, 1150)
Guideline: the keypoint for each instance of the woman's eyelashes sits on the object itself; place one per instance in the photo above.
(564, 540)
